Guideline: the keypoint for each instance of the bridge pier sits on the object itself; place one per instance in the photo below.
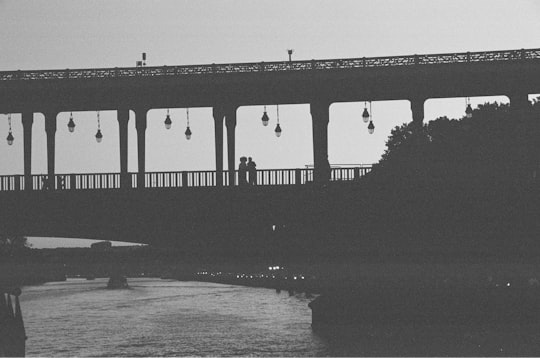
(50, 129)
(521, 116)
(230, 122)
(417, 109)
(320, 116)
(140, 125)
(218, 114)
(27, 121)
(519, 104)
(123, 119)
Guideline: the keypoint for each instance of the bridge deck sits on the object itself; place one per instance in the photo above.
(280, 66)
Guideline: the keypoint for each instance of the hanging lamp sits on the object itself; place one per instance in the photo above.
(468, 109)
(71, 124)
(168, 122)
(188, 131)
(99, 135)
(365, 114)
(265, 117)
(371, 126)
(278, 127)
(10, 137)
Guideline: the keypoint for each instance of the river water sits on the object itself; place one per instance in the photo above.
(166, 318)
(171, 318)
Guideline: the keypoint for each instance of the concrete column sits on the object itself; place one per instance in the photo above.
(519, 104)
(320, 117)
(140, 125)
(523, 130)
(218, 132)
(50, 129)
(123, 119)
(27, 121)
(230, 122)
(417, 108)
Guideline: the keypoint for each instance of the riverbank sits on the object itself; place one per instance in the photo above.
(356, 300)
(279, 281)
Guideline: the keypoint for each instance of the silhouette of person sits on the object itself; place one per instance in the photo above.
(44, 183)
(60, 182)
(242, 171)
(252, 171)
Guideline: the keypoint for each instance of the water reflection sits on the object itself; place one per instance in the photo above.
(161, 317)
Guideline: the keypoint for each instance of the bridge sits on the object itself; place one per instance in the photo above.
(133, 206)
(226, 87)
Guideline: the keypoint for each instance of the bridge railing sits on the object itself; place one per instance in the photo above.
(185, 179)
(279, 66)
(202, 178)
(349, 173)
(11, 182)
(73, 181)
(208, 178)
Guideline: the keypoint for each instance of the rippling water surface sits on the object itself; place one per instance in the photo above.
(164, 317)
(170, 318)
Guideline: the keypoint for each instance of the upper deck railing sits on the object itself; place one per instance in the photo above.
(185, 179)
(257, 67)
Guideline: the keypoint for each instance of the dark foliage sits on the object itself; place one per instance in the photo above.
(496, 144)
(10, 245)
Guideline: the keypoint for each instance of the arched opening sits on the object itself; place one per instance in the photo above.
(293, 149)
(350, 143)
(78, 151)
(12, 160)
(170, 150)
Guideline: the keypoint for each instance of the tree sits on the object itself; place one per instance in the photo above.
(12, 244)
(493, 144)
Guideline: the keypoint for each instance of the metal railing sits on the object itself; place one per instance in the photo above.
(185, 179)
(256, 67)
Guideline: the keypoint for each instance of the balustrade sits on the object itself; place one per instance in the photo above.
(185, 179)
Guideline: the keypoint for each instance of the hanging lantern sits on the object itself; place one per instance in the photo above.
(371, 127)
(365, 114)
(10, 137)
(71, 124)
(468, 110)
(278, 131)
(99, 135)
(168, 122)
(188, 131)
(278, 127)
(265, 117)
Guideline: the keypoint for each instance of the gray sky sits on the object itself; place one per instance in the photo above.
(61, 34)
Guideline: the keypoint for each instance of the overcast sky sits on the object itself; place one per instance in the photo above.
(59, 34)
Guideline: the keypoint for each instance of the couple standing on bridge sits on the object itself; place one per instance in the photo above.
(249, 168)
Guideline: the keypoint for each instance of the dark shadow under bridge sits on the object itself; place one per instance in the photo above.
(182, 209)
